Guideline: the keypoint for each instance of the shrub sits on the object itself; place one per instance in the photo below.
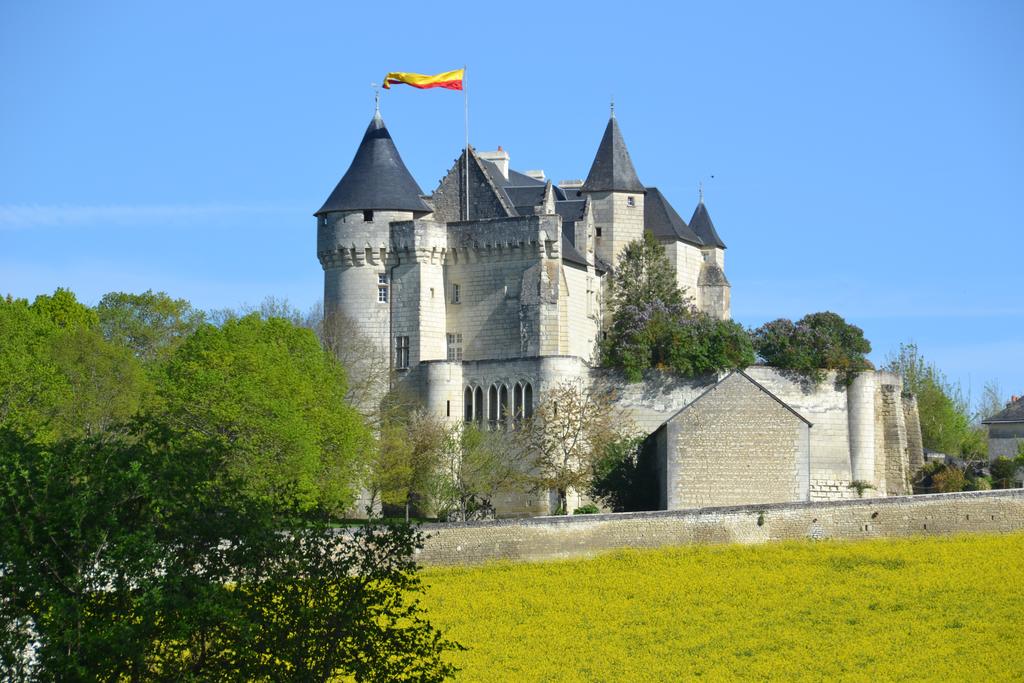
(588, 509)
(949, 480)
(859, 486)
(1004, 472)
(815, 343)
(979, 484)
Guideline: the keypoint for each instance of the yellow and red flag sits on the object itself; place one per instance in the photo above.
(452, 80)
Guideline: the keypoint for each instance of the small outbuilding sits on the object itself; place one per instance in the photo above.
(735, 444)
(1006, 430)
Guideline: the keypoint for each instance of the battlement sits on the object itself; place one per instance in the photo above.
(502, 237)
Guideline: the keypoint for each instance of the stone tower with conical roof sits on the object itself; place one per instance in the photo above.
(617, 196)
(713, 289)
(353, 245)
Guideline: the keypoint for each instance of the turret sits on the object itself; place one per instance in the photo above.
(713, 289)
(353, 245)
(616, 194)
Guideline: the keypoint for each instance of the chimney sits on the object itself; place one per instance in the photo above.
(499, 158)
(536, 175)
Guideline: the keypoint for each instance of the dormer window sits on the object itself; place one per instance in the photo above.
(631, 201)
(368, 216)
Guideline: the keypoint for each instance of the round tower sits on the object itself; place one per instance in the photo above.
(353, 245)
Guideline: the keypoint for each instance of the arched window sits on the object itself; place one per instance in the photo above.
(503, 404)
(492, 406)
(517, 401)
(478, 405)
(528, 401)
(468, 405)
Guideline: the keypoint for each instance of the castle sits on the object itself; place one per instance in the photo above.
(480, 296)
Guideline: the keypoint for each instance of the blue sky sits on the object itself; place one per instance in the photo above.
(868, 157)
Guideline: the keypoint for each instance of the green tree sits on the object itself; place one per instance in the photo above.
(816, 343)
(274, 399)
(623, 480)
(140, 560)
(58, 377)
(476, 465)
(945, 418)
(567, 434)
(31, 383)
(150, 324)
(410, 456)
(63, 309)
(654, 326)
(1004, 471)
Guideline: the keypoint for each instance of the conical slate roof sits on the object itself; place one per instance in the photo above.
(612, 170)
(705, 229)
(662, 220)
(377, 177)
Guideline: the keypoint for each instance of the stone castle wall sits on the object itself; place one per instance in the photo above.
(550, 538)
(736, 445)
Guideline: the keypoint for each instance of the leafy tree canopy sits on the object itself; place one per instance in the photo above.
(653, 326)
(58, 377)
(150, 324)
(945, 416)
(63, 309)
(120, 561)
(269, 393)
(814, 344)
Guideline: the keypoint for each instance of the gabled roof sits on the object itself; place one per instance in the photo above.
(612, 170)
(701, 224)
(662, 220)
(377, 177)
(749, 379)
(1012, 413)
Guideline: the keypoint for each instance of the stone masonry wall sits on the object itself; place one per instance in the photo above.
(736, 445)
(549, 538)
(825, 406)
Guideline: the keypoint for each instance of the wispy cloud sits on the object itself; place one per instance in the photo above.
(28, 216)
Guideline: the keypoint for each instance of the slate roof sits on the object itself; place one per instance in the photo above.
(701, 224)
(1012, 413)
(377, 177)
(711, 274)
(662, 220)
(612, 170)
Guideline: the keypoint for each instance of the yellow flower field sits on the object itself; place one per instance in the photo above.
(934, 608)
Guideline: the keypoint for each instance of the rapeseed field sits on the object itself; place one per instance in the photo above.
(929, 608)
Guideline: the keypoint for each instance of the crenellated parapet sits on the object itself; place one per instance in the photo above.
(504, 238)
(355, 238)
(419, 241)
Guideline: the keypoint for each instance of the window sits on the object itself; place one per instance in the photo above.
(492, 406)
(528, 401)
(478, 405)
(367, 216)
(517, 401)
(382, 288)
(402, 353)
(598, 229)
(467, 405)
(455, 346)
(456, 293)
(447, 408)
(631, 201)
(503, 404)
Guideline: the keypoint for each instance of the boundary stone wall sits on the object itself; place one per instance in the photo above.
(548, 538)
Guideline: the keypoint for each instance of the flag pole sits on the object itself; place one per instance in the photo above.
(465, 100)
